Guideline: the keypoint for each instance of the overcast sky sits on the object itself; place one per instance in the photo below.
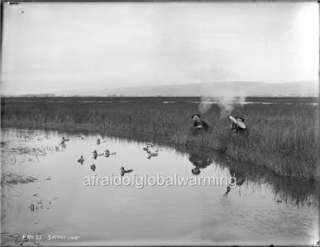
(50, 47)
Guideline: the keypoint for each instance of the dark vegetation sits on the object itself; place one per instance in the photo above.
(283, 136)
(286, 189)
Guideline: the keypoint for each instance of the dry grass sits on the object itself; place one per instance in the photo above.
(281, 136)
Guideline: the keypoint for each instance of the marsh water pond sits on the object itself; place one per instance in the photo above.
(45, 200)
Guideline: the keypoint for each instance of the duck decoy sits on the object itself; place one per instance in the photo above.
(93, 167)
(99, 141)
(148, 146)
(81, 160)
(107, 153)
(228, 189)
(151, 155)
(95, 154)
(64, 140)
(152, 150)
(124, 171)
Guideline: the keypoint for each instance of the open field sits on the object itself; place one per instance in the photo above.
(282, 131)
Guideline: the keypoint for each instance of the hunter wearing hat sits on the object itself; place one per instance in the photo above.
(238, 124)
(198, 123)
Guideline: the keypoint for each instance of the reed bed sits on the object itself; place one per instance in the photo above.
(282, 137)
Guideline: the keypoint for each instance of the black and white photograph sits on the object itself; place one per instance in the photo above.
(160, 123)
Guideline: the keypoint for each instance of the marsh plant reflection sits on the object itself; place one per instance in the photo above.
(49, 181)
(285, 189)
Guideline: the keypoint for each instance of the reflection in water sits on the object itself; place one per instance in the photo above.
(57, 202)
(199, 159)
(287, 189)
(202, 158)
(63, 145)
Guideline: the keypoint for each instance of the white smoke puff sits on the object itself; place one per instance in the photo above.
(226, 98)
(205, 104)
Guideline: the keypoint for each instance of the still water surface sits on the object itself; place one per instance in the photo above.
(63, 207)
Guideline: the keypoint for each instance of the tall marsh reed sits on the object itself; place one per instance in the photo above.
(282, 137)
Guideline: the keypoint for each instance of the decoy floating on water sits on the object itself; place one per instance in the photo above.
(99, 141)
(228, 190)
(148, 146)
(93, 167)
(124, 171)
(64, 140)
(81, 160)
(95, 154)
(107, 153)
(151, 155)
(151, 150)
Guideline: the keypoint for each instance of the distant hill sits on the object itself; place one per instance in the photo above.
(240, 88)
(294, 89)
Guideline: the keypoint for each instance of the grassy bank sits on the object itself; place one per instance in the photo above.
(281, 136)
